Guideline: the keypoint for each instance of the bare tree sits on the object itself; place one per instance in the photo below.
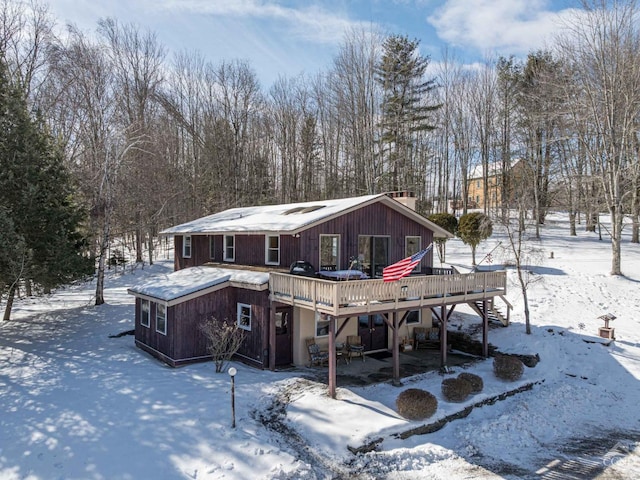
(224, 339)
(601, 46)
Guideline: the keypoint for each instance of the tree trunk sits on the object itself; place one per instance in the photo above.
(10, 296)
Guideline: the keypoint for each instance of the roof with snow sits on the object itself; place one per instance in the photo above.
(174, 286)
(495, 168)
(290, 218)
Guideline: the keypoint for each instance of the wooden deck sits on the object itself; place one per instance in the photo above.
(354, 297)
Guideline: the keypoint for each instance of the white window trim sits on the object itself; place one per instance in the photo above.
(212, 247)
(406, 244)
(158, 305)
(142, 304)
(184, 246)
(224, 249)
(266, 249)
(419, 322)
(239, 314)
(321, 318)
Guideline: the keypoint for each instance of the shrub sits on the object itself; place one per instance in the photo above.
(416, 404)
(474, 380)
(455, 389)
(507, 367)
(223, 339)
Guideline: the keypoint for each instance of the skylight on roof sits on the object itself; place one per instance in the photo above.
(312, 208)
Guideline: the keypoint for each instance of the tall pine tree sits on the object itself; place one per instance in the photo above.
(405, 110)
(40, 222)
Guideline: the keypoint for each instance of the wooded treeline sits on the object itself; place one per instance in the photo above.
(154, 140)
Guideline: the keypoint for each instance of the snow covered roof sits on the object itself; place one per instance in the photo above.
(177, 287)
(495, 168)
(290, 218)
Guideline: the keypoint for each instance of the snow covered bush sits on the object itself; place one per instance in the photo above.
(416, 404)
(455, 389)
(507, 367)
(474, 380)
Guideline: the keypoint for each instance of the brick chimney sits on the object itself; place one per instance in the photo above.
(408, 199)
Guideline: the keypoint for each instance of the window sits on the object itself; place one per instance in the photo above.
(212, 247)
(412, 245)
(186, 246)
(478, 184)
(330, 251)
(272, 250)
(244, 316)
(144, 312)
(322, 324)
(414, 316)
(229, 248)
(161, 319)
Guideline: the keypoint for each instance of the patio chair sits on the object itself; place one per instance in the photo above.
(354, 347)
(316, 357)
(426, 337)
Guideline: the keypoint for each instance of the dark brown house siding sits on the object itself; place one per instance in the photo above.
(376, 219)
(184, 343)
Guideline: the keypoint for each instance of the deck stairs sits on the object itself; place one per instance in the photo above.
(494, 314)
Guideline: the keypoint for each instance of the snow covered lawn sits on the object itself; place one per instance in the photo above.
(77, 404)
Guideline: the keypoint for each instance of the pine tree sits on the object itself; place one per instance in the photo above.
(41, 243)
(405, 111)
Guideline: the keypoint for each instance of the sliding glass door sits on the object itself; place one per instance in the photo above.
(373, 253)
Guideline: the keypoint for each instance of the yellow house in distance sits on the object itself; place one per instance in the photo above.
(495, 184)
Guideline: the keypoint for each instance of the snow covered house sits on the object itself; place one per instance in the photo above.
(279, 272)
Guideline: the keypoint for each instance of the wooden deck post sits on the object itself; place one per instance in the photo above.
(443, 335)
(485, 330)
(396, 351)
(272, 336)
(332, 356)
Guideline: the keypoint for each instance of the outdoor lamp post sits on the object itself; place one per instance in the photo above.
(232, 373)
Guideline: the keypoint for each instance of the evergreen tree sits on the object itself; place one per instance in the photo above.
(472, 229)
(405, 111)
(41, 243)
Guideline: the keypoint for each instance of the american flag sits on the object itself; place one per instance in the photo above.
(403, 267)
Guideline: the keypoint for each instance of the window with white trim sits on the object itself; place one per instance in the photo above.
(412, 245)
(186, 246)
(161, 319)
(272, 250)
(144, 312)
(330, 251)
(244, 316)
(229, 248)
(212, 247)
(322, 324)
(414, 316)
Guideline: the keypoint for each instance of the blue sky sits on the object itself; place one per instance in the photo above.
(288, 37)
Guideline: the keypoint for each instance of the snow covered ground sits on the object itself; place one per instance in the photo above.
(77, 404)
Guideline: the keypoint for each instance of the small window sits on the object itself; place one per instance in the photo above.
(322, 324)
(212, 248)
(414, 316)
(161, 319)
(478, 184)
(329, 251)
(186, 246)
(244, 316)
(144, 312)
(272, 247)
(412, 245)
(229, 248)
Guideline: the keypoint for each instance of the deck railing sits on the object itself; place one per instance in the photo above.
(353, 296)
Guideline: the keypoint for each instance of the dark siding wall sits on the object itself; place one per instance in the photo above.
(376, 219)
(189, 341)
(149, 336)
(199, 252)
(256, 341)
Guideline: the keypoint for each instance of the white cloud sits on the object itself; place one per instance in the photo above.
(309, 22)
(505, 26)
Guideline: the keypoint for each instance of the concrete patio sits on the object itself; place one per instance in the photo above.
(376, 369)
